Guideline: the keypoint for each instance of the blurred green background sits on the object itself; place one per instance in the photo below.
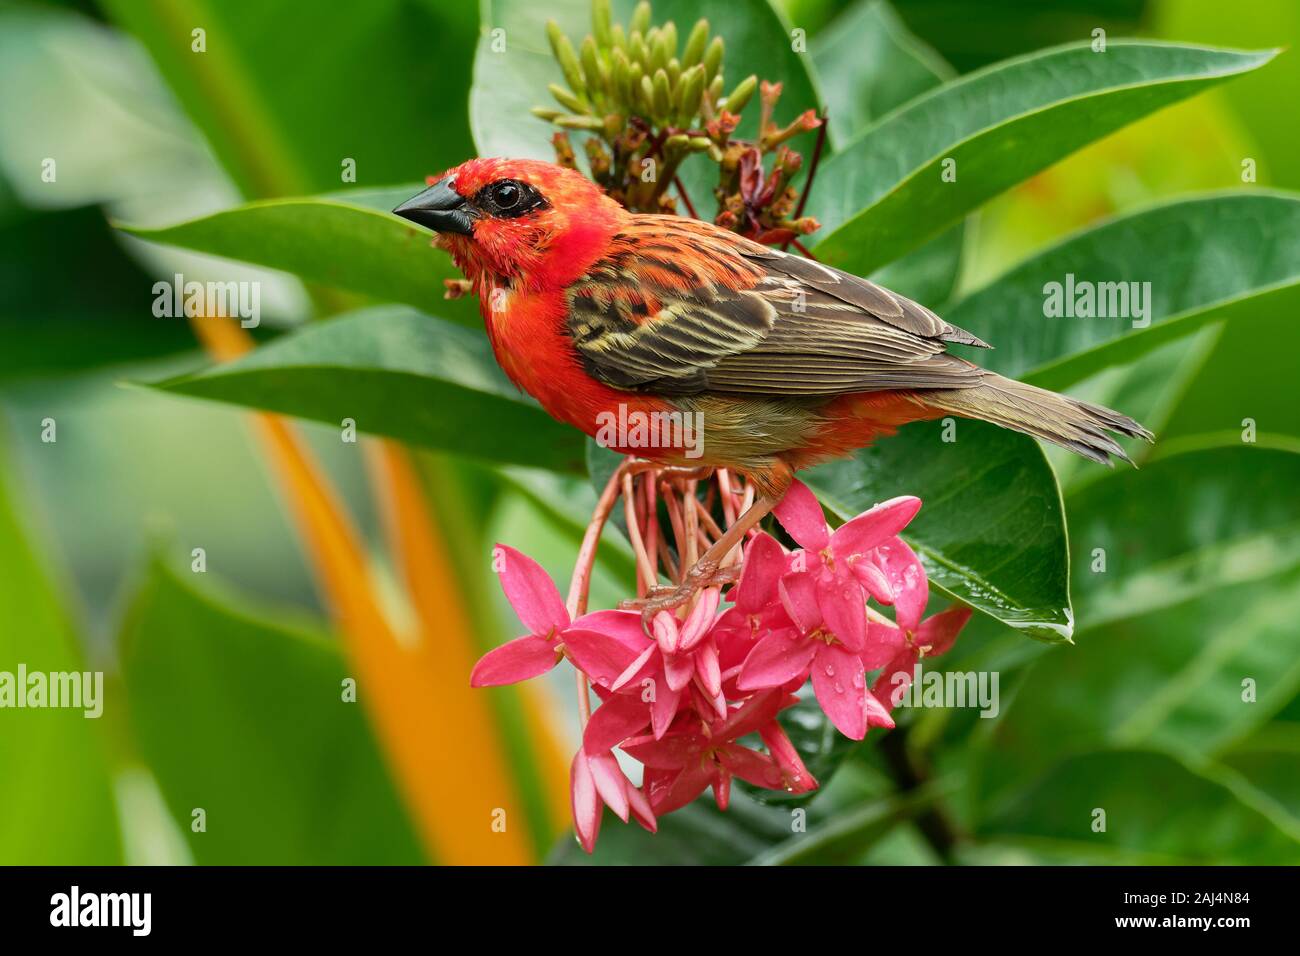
(223, 688)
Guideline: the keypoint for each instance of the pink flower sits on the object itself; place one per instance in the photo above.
(697, 754)
(537, 601)
(834, 657)
(935, 636)
(596, 781)
(647, 678)
(844, 564)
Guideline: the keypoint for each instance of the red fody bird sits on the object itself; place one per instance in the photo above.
(596, 311)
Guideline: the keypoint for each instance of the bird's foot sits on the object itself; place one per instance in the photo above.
(637, 466)
(704, 574)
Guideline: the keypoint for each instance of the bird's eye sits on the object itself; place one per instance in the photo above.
(506, 195)
(508, 198)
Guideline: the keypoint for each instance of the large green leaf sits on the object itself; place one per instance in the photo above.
(885, 194)
(1157, 810)
(1205, 549)
(246, 719)
(399, 373)
(51, 325)
(1185, 524)
(868, 64)
(382, 83)
(990, 531)
(347, 240)
(1210, 257)
(56, 803)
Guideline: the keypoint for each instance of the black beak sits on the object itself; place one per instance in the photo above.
(440, 208)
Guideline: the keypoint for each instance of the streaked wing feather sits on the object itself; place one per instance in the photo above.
(680, 307)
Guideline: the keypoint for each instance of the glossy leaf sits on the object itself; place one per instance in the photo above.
(247, 720)
(990, 531)
(398, 373)
(381, 83)
(1175, 816)
(868, 64)
(885, 193)
(1211, 257)
(348, 241)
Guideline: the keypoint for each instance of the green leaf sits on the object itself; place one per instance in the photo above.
(56, 807)
(1204, 548)
(1207, 258)
(347, 240)
(1267, 760)
(868, 64)
(885, 194)
(1185, 524)
(990, 532)
(246, 719)
(1158, 810)
(398, 373)
(53, 326)
(381, 83)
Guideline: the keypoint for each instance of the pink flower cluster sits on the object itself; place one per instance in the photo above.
(681, 699)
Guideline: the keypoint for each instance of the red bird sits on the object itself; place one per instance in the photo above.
(597, 312)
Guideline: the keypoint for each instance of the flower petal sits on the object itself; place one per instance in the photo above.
(894, 680)
(700, 620)
(764, 565)
(514, 661)
(801, 515)
(872, 579)
(939, 631)
(666, 632)
(843, 608)
(794, 775)
(799, 598)
(679, 669)
(599, 656)
(610, 782)
(752, 767)
(531, 592)
(614, 721)
(707, 669)
(623, 626)
(640, 806)
(780, 657)
(663, 708)
(907, 579)
(584, 802)
(884, 642)
(840, 685)
(873, 527)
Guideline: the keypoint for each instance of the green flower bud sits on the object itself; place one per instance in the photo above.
(591, 70)
(713, 57)
(567, 59)
(641, 18)
(592, 124)
(690, 93)
(662, 96)
(542, 112)
(600, 23)
(567, 99)
(696, 43)
(741, 94)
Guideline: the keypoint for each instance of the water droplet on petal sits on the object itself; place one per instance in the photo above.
(839, 688)
(830, 671)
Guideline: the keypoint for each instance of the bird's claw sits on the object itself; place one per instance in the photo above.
(705, 574)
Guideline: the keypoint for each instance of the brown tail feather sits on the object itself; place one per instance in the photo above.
(1078, 426)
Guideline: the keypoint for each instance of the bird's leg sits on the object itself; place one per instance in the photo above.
(708, 570)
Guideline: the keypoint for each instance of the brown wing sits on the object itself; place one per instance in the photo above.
(682, 307)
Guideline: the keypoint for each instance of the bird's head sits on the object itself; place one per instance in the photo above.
(523, 220)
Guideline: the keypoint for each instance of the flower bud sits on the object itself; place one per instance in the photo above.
(567, 99)
(696, 43)
(592, 124)
(600, 23)
(641, 17)
(741, 94)
(565, 56)
(662, 96)
(713, 57)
